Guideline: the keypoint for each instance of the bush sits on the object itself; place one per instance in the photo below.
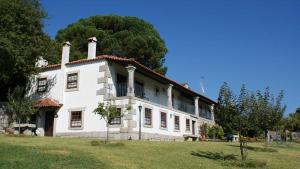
(215, 132)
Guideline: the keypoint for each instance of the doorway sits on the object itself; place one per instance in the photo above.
(193, 127)
(49, 122)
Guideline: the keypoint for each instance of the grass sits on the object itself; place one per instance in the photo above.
(62, 153)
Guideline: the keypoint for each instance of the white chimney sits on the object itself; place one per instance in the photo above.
(92, 47)
(65, 56)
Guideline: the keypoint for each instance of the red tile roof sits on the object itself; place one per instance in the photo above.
(47, 102)
(138, 65)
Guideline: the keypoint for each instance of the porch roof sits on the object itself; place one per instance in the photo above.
(47, 102)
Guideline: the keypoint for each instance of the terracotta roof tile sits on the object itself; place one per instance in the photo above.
(47, 102)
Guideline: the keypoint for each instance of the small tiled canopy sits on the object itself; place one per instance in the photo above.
(47, 102)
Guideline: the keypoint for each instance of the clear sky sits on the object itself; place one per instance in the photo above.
(255, 42)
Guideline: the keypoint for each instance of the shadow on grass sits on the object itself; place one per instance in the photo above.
(257, 149)
(230, 159)
(214, 155)
(106, 144)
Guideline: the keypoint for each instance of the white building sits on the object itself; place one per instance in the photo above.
(70, 91)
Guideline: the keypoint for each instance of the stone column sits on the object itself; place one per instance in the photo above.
(170, 104)
(130, 85)
(196, 101)
(212, 107)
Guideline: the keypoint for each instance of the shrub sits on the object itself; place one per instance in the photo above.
(215, 131)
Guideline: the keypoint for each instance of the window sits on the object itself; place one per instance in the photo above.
(139, 90)
(148, 116)
(156, 91)
(121, 85)
(187, 125)
(163, 120)
(76, 119)
(72, 81)
(116, 120)
(41, 85)
(176, 121)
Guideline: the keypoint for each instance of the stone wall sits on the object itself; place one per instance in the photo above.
(122, 136)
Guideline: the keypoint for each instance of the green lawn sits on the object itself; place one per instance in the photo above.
(37, 152)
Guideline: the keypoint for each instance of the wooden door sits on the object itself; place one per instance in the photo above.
(49, 121)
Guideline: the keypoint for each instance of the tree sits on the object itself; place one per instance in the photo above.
(268, 111)
(224, 115)
(293, 121)
(22, 40)
(108, 112)
(117, 35)
(20, 107)
(233, 112)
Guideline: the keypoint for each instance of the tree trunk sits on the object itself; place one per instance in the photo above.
(267, 137)
(242, 148)
(19, 127)
(107, 133)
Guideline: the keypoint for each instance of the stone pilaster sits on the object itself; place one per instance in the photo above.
(196, 101)
(170, 104)
(130, 85)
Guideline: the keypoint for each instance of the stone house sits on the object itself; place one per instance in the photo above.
(69, 92)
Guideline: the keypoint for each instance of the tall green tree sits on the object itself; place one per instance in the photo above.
(225, 114)
(293, 121)
(125, 36)
(22, 40)
(269, 111)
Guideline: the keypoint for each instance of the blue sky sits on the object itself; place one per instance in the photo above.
(253, 42)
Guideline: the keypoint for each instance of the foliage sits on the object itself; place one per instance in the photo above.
(293, 121)
(117, 35)
(22, 40)
(108, 112)
(19, 106)
(215, 131)
(203, 131)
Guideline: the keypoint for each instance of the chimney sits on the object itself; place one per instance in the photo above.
(186, 85)
(65, 56)
(92, 47)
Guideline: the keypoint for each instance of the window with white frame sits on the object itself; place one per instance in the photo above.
(163, 120)
(72, 81)
(148, 117)
(187, 125)
(76, 119)
(116, 120)
(41, 85)
(176, 123)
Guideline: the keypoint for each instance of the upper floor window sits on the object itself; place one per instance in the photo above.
(148, 117)
(41, 85)
(72, 81)
(76, 119)
(121, 85)
(156, 91)
(139, 89)
(176, 123)
(163, 120)
(187, 125)
(116, 120)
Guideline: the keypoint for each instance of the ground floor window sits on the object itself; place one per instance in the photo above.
(116, 120)
(76, 119)
(148, 117)
(187, 125)
(163, 120)
(176, 123)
